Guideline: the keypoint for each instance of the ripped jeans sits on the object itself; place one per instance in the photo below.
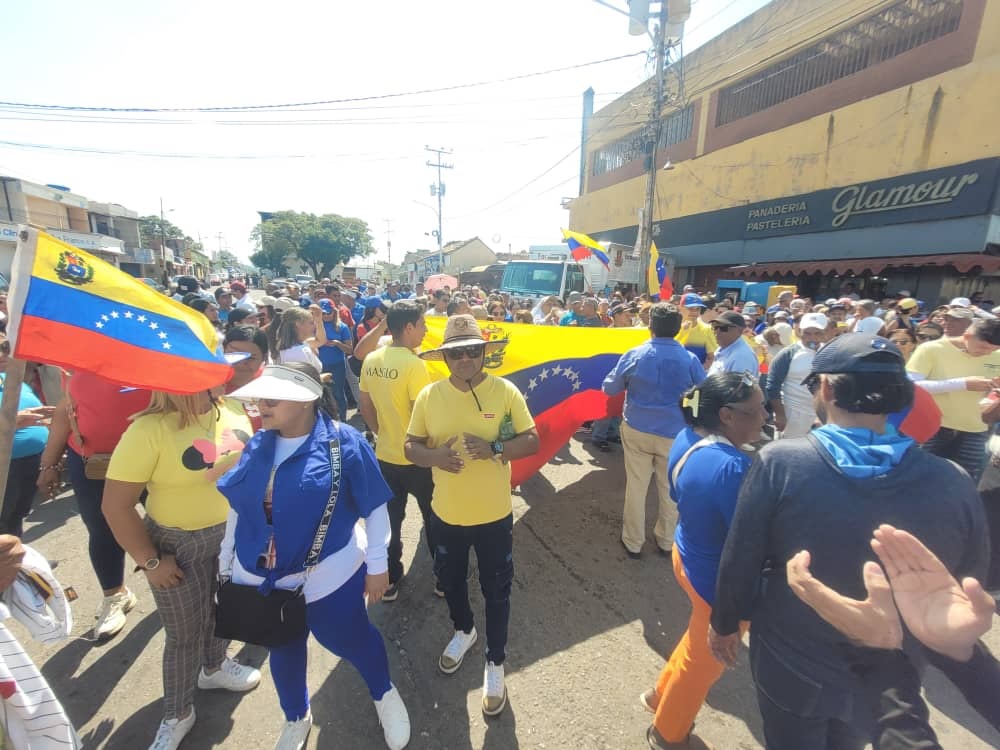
(494, 544)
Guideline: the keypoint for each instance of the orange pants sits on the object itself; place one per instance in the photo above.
(691, 670)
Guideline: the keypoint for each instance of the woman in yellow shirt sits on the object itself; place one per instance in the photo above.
(176, 449)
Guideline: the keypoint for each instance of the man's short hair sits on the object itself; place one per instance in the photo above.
(664, 320)
(439, 293)
(868, 305)
(987, 330)
(401, 314)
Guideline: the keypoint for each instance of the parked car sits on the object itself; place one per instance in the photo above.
(303, 278)
(214, 279)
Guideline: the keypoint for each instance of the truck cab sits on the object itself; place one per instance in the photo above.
(537, 279)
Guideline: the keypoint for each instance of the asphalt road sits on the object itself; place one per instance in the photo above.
(589, 631)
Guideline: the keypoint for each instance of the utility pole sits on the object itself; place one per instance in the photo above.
(388, 240)
(438, 190)
(651, 140)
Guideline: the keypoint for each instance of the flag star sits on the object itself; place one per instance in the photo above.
(105, 318)
(571, 374)
(532, 384)
(556, 370)
(114, 313)
(141, 319)
(166, 344)
(99, 324)
(129, 314)
(162, 335)
(153, 326)
(576, 385)
(543, 374)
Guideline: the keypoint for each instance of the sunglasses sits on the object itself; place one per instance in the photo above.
(721, 329)
(907, 310)
(472, 351)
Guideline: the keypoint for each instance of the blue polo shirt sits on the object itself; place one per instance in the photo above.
(330, 355)
(653, 377)
(28, 441)
(705, 493)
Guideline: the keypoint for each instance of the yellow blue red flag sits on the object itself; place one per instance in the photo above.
(558, 369)
(657, 277)
(580, 246)
(73, 310)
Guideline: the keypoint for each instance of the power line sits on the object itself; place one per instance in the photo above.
(373, 97)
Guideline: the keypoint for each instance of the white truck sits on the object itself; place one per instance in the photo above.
(536, 279)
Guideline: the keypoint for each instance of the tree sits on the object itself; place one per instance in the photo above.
(153, 228)
(321, 242)
(225, 259)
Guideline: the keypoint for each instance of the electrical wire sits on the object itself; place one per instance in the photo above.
(372, 97)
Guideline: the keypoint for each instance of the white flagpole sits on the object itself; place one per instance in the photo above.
(24, 258)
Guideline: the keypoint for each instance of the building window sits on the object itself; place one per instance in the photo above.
(899, 28)
(674, 128)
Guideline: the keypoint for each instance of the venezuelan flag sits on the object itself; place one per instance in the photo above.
(580, 246)
(559, 371)
(73, 310)
(921, 420)
(656, 275)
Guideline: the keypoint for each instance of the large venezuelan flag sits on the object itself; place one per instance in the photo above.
(559, 371)
(580, 246)
(656, 275)
(73, 310)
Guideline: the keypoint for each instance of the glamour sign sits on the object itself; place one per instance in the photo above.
(855, 200)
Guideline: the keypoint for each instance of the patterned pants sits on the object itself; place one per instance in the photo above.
(188, 612)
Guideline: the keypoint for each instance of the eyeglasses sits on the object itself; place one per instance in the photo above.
(472, 351)
(721, 328)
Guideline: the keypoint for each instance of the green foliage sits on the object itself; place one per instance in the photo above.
(154, 228)
(319, 241)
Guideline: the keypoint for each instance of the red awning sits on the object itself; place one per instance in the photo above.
(961, 262)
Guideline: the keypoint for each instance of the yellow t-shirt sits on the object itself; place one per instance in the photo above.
(698, 339)
(942, 360)
(480, 492)
(393, 376)
(180, 466)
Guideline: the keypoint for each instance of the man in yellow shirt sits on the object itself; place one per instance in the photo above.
(468, 428)
(958, 372)
(391, 378)
(696, 335)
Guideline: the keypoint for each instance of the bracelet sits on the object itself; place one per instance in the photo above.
(57, 467)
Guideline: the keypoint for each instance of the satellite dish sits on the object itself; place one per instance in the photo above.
(496, 238)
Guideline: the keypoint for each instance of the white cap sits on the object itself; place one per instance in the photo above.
(960, 302)
(280, 383)
(285, 303)
(813, 320)
(266, 301)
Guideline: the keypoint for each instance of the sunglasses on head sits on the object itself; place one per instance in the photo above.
(472, 351)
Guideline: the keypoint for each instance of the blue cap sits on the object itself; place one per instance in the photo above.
(852, 352)
(305, 302)
(371, 302)
(692, 300)
(326, 306)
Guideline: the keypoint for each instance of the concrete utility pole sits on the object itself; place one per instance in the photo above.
(438, 190)
(651, 140)
(388, 240)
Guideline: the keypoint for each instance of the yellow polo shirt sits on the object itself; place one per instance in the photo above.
(942, 360)
(393, 376)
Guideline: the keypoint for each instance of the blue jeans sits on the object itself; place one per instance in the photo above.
(340, 623)
(106, 556)
(339, 372)
(605, 429)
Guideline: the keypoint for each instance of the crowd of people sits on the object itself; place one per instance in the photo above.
(769, 433)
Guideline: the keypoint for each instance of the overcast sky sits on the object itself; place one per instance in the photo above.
(516, 144)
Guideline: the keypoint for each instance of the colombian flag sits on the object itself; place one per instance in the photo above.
(559, 371)
(656, 275)
(73, 310)
(580, 246)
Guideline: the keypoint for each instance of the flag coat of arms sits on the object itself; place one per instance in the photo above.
(70, 309)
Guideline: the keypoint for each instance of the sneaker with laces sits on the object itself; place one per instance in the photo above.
(172, 732)
(231, 676)
(110, 618)
(295, 733)
(494, 689)
(394, 719)
(454, 652)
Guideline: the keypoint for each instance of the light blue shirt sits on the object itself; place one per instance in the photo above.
(653, 376)
(737, 357)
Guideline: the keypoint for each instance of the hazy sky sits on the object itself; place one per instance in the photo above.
(516, 144)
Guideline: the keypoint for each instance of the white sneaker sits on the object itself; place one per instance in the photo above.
(231, 676)
(294, 733)
(394, 719)
(454, 652)
(172, 732)
(494, 690)
(110, 618)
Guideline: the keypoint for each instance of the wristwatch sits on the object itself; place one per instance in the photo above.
(151, 564)
(497, 447)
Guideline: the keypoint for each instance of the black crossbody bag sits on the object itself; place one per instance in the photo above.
(242, 613)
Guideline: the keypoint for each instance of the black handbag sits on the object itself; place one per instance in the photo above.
(242, 613)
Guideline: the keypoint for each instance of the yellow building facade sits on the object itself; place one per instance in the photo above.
(820, 144)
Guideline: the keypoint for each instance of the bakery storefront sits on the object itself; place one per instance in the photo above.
(935, 233)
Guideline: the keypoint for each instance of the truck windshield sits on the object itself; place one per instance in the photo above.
(540, 279)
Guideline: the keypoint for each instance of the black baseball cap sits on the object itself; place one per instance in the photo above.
(857, 352)
(731, 318)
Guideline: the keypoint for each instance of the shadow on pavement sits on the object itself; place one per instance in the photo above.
(48, 516)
